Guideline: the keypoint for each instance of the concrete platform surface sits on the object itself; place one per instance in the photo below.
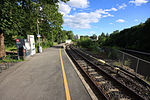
(41, 78)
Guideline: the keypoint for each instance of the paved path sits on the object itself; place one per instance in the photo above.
(41, 78)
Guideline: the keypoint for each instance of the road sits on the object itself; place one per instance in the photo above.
(41, 78)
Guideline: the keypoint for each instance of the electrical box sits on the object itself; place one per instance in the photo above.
(32, 44)
(27, 47)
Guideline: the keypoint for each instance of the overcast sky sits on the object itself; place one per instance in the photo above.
(87, 17)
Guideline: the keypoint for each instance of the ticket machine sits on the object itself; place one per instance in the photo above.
(20, 48)
(32, 44)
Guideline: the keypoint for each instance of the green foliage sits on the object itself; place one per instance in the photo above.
(84, 37)
(84, 43)
(87, 43)
(127, 62)
(101, 39)
(94, 37)
(136, 37)
(11, 48)
(20, 18)
(64, 35)
(9, 59)
(69, 35)
(47, 44)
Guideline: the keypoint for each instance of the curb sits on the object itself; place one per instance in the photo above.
(87, 87)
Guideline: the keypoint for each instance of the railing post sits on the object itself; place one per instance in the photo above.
(122, 60)
(137, 65)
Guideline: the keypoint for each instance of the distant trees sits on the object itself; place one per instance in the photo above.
(93, 37)
(86, 42)
(101, 39)
(84, 37)
(64, 35)
(136, 37)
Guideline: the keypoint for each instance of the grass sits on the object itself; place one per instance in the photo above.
(148, 82)
(55, 43)
(12, 48)
(117, 63)
(9, 58)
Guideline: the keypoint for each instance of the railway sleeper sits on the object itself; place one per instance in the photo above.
(106, 87)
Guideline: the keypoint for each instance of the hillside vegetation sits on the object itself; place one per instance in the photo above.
(136, 37)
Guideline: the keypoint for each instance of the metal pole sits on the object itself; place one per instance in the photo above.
(137, 65)
(52, 36)
(122, 60)
(38, 32)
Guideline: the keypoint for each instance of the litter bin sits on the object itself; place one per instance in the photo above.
(39, 49)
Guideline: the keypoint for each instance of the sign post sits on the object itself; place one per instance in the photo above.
(39, 48)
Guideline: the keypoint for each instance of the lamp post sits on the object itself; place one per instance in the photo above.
(52, 37)
(38, 35)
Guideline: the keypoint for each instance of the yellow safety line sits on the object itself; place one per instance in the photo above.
(65, 79)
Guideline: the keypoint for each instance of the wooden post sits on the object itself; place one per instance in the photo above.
(2, 45)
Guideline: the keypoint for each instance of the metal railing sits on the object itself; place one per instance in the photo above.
(135, 65)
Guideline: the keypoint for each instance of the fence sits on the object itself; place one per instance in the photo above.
(129, 62)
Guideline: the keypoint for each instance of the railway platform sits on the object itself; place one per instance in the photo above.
(46, 76)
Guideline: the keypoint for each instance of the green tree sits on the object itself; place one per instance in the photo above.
(136, 37)
(20, 18)
(94, 37)
(101, 39)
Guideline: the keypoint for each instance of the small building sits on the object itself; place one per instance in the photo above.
(68, 41)
(76, 37)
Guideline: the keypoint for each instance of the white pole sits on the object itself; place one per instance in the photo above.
(38, 32)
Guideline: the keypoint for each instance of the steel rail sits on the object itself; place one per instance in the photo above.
(121, 70)
(74, 60)
(119, 83)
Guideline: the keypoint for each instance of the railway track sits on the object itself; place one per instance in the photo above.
(111, 83)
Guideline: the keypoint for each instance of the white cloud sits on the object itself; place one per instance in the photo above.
(64, 8)
(136, 20)
(74, 9)
(108, 15)
(92, 32)
(112, 9)
(78, 3)
(122, 6)
(110, 23)
(101, 11)
(120, 21)
(83, 20)
(138, 2)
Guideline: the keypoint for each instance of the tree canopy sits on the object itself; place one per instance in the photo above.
(136, 37)
(19, 18)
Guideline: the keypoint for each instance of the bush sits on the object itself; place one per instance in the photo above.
(84, 43)
(89, 44)
(47, 44)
